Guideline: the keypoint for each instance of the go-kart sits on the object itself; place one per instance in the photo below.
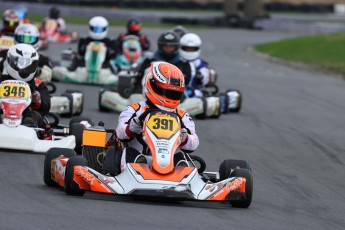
(93, 71)
(15, 97)
(210, 105)
(50, 31)
(158, 177)
(68, 104)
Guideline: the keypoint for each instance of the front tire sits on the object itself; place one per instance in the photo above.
(50, 155)
(227, 166)
(244, 202)
(71, 187)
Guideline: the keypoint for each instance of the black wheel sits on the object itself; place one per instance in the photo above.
(100, 106)
(227, 165)
(52, 154)
(79, 119)
(82, 102)
(204, 112)
(70, 99)
(244, 202)
(71, 187)
(77, 130)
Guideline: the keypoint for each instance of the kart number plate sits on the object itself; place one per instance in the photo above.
(14, 91)
(5, 41)
(163, 126)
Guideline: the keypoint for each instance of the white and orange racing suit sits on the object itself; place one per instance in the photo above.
(135, 110)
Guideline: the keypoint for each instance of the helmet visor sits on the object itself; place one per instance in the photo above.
(27, 39)
(189, 48)
(98, 29)
(174, 93)
(24, 66)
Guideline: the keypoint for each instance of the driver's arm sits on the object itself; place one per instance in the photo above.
(122, 130)
(192, 140)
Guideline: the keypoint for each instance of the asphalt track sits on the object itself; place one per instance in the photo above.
(291, 130)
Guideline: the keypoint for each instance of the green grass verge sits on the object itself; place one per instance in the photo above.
(326, 51)
(79, 20)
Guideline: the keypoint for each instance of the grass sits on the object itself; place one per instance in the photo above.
(326, 51)
(80, 20)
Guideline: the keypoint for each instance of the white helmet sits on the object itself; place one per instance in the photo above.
(190, 44)
(98, 27)
(22, 62)
(28, 34)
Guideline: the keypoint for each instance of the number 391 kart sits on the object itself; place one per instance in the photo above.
(157, 176)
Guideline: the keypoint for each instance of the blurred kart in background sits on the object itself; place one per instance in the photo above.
(92, 72)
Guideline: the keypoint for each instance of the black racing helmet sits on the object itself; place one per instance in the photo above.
(133, 26)
(168, 38)
(54, 13)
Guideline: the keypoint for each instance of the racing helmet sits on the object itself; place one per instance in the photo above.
(22, 11)
(133, 26)
(98, 27)
(164, 85)
(28, 34)
(168, 44)
(131, 48)
(10, 19)
(180, 30)
(22, 62)
(54, 13)
(190, 44)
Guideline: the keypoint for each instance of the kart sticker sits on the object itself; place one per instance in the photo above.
(163, 125)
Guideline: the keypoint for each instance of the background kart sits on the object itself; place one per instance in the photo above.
(233, 182)
(15, 97)
(211, 105)
(91, 73)
(50, 32)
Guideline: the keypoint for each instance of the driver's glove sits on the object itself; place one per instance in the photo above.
(36, 100)
(184, 136)
(135, 125)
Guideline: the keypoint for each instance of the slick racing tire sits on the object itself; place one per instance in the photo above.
(52, 154)
(243, 202)
(227, 165)
(204, 112)
(79, 119)
(77, 130)
(71, 187)
(100, 106)
(70, 91)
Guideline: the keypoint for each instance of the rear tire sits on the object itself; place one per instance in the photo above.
(227, 165)
(50, 155)
(204, 112)
(100, 106)
(244, 202)
(71, 187)
(79, 119)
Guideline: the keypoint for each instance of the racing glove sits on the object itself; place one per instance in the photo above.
(36, 100)
(184, 135)
(135, 125)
